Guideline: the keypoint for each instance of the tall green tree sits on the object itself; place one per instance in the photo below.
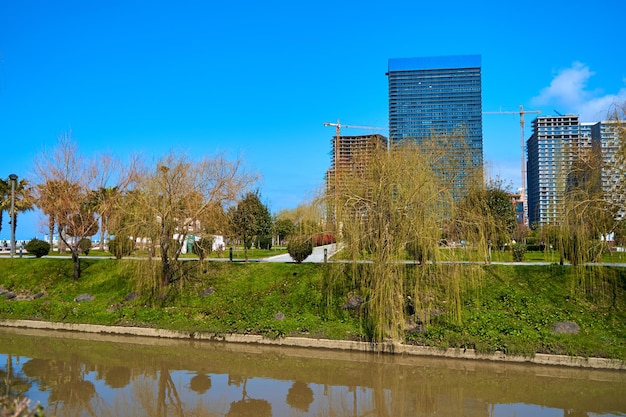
(283, 229)
(251, 222)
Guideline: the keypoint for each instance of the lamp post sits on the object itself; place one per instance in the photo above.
(13, 179)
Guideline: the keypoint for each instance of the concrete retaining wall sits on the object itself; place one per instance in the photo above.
(345, 345)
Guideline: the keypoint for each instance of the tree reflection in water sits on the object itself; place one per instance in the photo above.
(12, 385)
(300, 396)
(200, 383)
(65, 380)
(247, 407)
(119, 379)
(117, 376)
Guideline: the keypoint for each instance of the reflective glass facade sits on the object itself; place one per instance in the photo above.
(431, 98)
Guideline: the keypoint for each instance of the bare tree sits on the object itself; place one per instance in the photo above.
(174, 198)
(66, 183)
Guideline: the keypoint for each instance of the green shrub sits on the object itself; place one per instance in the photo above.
(300, 248)
(121, 247)
(84, 245)
(519, 250)
(38, 247)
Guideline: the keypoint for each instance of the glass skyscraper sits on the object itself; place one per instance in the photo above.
(435, 98)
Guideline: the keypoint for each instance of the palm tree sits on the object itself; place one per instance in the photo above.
(104, 199)
(47, 200)
(24, 200)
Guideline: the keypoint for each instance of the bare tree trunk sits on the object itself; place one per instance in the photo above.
(51, 231)
(165, 261)
(76, 259)
(102, 233)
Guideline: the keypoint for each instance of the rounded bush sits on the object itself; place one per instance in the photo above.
(121, 247)
(519, 250)
(38, 247)
(84, 245)
(300, 248)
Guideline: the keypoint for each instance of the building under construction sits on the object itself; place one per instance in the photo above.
(349, 160)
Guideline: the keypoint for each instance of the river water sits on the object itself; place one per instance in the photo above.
(73, 374)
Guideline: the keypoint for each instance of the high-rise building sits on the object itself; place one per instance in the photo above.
(436, 98)
(350, 159)
(556, 142)
(559, 141)
(607, 134)
(354, 152)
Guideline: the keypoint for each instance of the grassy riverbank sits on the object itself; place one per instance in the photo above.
(511, 308)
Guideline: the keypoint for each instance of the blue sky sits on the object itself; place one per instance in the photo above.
(259, 79)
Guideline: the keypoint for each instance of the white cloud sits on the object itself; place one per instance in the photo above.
(598, 108)
(568, 92)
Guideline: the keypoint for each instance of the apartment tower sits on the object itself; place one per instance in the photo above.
(556, 142)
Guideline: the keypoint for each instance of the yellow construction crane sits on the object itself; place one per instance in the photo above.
(521, 113)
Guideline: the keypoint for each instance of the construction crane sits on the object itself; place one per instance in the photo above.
(338, 127)
(521, 113)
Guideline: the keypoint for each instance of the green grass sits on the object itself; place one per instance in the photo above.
(238, 253)
(512, 309)
(515, 307)
(246, 297)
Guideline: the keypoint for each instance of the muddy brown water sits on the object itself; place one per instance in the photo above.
(74, 374)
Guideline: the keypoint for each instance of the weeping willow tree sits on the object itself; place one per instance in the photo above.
(585, 216)
(594, 200)
(485, 219)
(395, 209)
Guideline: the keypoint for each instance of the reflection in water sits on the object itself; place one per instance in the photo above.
(300, 396)
(87, 375)
(200, 383)
(246, 406)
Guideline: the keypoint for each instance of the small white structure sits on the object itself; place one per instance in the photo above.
(218, 242)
